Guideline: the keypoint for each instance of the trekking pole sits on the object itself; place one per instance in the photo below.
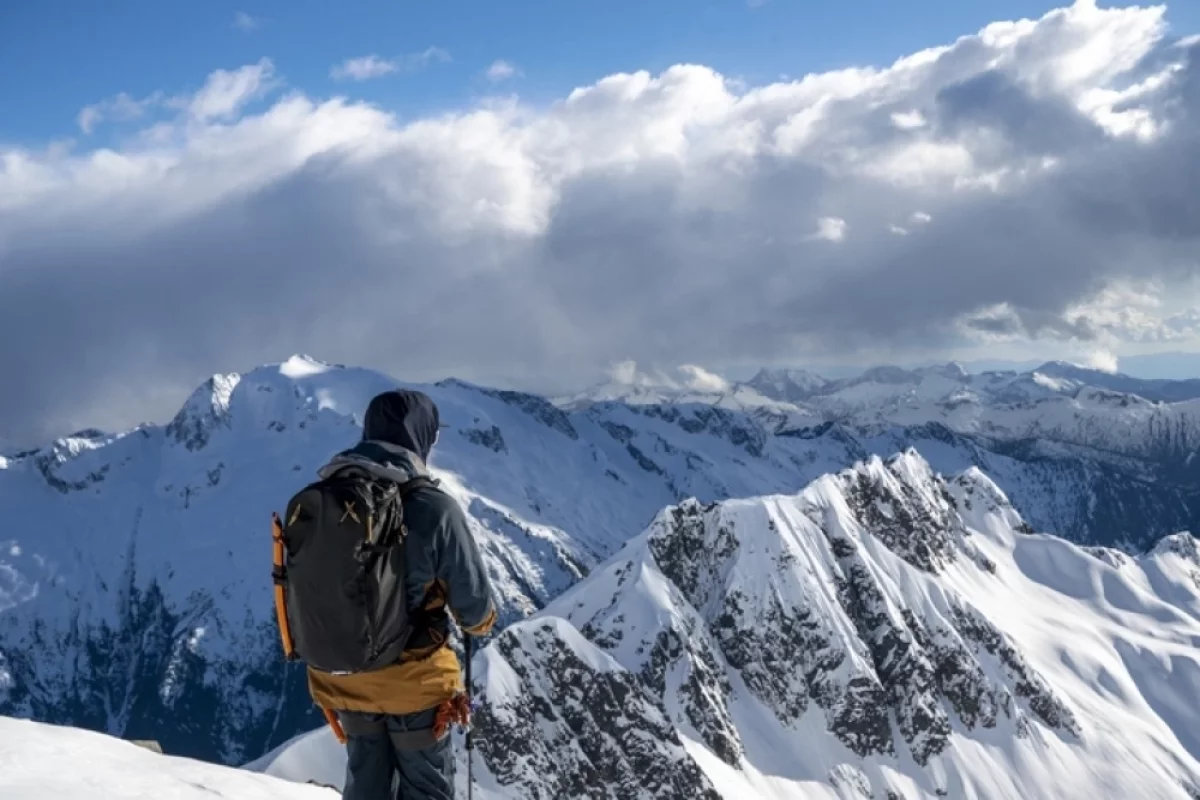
(470, 722)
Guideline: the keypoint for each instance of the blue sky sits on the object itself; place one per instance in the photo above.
(57, 56)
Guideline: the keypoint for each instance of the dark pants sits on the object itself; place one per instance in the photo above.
(383, 749)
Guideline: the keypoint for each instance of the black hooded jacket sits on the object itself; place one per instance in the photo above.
(445, 569)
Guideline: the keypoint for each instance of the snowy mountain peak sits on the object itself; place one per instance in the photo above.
(787, 385)
(278, 397)
(901, 502)
(889, 375)
(206, 409)
(798, 600)
(952, 370)
(1183, 545)
(303, 366)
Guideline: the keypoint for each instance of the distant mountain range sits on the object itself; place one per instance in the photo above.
(134, 590)
(799, 386)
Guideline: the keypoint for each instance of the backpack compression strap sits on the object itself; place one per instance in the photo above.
(279, 575)
(335, 725)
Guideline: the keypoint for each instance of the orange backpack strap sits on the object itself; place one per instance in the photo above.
(279, 575)
(334, 725)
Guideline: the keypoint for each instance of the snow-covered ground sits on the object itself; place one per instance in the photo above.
(48, 762)
(314, 756)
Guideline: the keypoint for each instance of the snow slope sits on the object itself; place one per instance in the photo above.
(39, 761)
(134, 596)
(885, 633)
(310, 756)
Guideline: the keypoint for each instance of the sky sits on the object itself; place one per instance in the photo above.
(527, 194)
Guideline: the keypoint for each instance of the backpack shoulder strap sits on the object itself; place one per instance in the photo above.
(421, 481)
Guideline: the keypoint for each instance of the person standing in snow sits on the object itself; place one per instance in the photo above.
(395, 719)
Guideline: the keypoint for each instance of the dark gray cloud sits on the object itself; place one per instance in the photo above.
(995, 102)
(666, 220)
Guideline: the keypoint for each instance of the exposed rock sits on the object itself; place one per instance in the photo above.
(575, 724)
(539, 408)
(491, 438)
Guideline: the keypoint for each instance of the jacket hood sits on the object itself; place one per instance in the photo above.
(405, 418)
(382, 459)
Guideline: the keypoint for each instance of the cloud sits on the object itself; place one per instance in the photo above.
(364, 68)
(908, 120)
(501, 70)
(246, 23)
(1140, 311)
(430, 55)
(121, 108)
(226, 92)
(1103, 360)
(830, 229)
(372, 66)
(687, 377)
(666, 218)
(701, 380)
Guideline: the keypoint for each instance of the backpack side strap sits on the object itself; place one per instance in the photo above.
(279, 576)
(335, 724)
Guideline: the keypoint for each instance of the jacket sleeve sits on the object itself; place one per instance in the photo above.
(461, 570)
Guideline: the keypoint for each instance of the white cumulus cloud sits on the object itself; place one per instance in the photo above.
(1103, 360)
(226, 92)
(700, 379)
(908, 120)
(245, 22)
(688, 376)
(363, 68)
(122, 107)
(831, 229)
(373, 66)
(501, 70)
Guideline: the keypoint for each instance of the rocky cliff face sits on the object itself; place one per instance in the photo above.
(560, 719)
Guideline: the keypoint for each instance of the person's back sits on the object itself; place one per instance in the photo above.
(389, 714)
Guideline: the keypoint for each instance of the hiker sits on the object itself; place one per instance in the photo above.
(395, 718)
